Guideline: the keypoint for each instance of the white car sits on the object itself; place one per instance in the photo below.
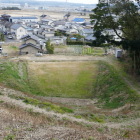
(38, 54)
(10, 37)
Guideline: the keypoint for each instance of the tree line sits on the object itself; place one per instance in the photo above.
(119, 15)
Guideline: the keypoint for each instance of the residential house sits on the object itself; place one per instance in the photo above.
(47, 28)
(47, 21)
(90, 38)
(18, 30)
(5, 17)
(113, 34)
(58, 40)
(7, 26)
(86, 32)
(29, 48)
(72, 31)
(58, 22)
(32, 24)
(48, 34)
(32, 44)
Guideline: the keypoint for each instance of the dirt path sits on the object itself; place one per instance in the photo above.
(53, 58)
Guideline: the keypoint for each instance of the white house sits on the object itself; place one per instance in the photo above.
(58, 40)
(18, 30)
(86, 32)
(113, 34)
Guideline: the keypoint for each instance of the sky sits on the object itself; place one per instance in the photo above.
(75, 1)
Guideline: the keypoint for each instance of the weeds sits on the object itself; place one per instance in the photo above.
(90, 117)
(111, 89)
(1, 102)
(46, 105)
(9, 137)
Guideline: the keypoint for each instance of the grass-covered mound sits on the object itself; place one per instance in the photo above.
(111, 89)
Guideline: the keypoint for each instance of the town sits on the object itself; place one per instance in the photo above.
(36, 31)
(69, 28)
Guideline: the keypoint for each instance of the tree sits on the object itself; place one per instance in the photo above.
(120, 15)
(49, 47)
(77, 36)
(2, 37)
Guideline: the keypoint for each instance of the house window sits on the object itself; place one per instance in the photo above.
(20, 30)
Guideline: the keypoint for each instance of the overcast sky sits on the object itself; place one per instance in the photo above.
(76, 1)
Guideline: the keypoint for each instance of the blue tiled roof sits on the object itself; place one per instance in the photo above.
(79, 20)
(73, 38)
(23, 18)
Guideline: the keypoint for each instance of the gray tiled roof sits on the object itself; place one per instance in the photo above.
(90, 37)
(29, 44)
(87, 31)
(16, 26)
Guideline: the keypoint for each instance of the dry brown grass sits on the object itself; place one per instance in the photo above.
(23, 124)
(53, 14)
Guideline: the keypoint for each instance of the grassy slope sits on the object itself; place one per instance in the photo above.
(111, 89)
(9, 75)
(69, 79)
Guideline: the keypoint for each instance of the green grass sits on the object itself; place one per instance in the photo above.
(10, 76)
(14, 47)
(72, 79)
(46, 105)
(10, 137)
(1, 102)
(91, 117)
(111, 89)
(64, 79)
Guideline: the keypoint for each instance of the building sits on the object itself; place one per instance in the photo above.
(32, 44)
(24, 19)
(29, 49)
(18, 30)
(6, 5)
(5, 17)
(86, 32)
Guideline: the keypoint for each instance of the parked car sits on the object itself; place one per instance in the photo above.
(10, 37)
(38, 54)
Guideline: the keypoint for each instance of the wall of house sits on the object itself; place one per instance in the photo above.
(19, 32)
(29, 50)
(31, 41)
(3, 28)
(58, 41)
(49, 35)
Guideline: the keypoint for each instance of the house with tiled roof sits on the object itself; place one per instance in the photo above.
(32, 44)
(18, 30)
(29, 48)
